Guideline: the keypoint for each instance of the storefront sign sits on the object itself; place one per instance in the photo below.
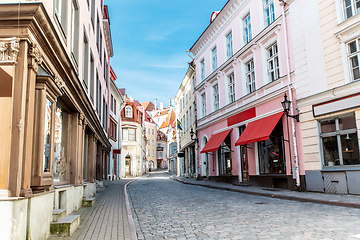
(336, 105)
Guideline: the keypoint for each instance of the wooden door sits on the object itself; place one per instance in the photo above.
(244, 164)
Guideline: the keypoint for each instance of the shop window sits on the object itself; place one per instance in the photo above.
(225, 161)
(48, 133)
(271, 153)
(85, 159)
(61, 144)
(339, 141)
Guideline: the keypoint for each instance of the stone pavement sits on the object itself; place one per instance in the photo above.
(322, 198)
(166, 209)
(107, 219)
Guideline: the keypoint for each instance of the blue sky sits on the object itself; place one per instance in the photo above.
(150, 39)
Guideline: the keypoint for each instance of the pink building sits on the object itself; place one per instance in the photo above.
(243, 70)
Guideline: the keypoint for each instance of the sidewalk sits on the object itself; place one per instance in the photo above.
(321, 198)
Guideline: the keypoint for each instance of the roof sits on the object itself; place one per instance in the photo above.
(169, 121)
(149, 106)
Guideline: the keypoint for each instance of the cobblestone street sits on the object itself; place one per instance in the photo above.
(166, 209)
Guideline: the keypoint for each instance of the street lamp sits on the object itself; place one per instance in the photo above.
(286, 106)
(192, 135)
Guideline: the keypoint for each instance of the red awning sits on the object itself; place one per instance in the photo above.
(259, 130)
(215, 141)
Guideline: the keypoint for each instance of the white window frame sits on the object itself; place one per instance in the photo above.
(216, 99)
(202, 69)
(273, 61)
(352, 7)
(353, 57)
(229, 45)
(128, 112)
(214, 58)
(269, 12)
(203, 104)
(250, 76)
(231, 87)
(247, 28)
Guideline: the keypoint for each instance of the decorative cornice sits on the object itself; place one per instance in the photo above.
(34, 58)
(59, 82)
(9, 49)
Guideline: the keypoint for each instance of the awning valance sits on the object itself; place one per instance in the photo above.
(259, 130)
(215, 141)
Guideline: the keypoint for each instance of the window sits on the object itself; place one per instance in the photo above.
(47, 135)
(149, 152)
(153, 153)
(60, 15)
(194, 113)
(152, 131)
(113, 129)
(247, 29)
(74, 31)
(92, 66)
(187, 120)
(229, 45)
(216, 97)
(98, 33)
(231, 88)
(190, 121)
(148, 142)
(98, 94)
(203, 101)
(101, 51)
(351, 8)
(93, 13)
(112, 103)
(148, 130)
(114, 106)
(128, 112)
(250, 77)
(339, 141)
(125, 134)
(273, 63)
(214, 59)
(85, 61)
(269, 12)
(353, 56)
(194, 83)
(61, 141)
(152, 142)
(132, 134)
(202, 69)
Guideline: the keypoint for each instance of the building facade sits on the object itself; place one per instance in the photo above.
(244, 68)
(186, 114)
(133, 139)
(55, 86)
(327, 92)
(114, 132)
(161, 150)
(151, 136)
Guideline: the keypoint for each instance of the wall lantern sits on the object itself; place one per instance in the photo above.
(192, 135)
(286, 106)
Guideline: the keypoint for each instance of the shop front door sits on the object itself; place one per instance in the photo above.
(244, 164)
(127, 165)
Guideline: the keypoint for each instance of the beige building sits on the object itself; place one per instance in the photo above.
(186, 111)
(150, 127)
(326, 52)
(54, 92)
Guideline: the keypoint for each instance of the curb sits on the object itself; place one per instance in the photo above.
(133, 235)
(272, 195)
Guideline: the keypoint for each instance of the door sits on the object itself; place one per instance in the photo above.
(244, 164)
(127, 165)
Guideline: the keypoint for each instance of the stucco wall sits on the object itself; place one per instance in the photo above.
(13, 219)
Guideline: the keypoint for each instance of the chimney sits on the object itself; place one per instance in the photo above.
(155, 103)
(162, 106)
(131, 99)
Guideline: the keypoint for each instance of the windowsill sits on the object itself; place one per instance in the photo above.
(63, 186)
(341, 168)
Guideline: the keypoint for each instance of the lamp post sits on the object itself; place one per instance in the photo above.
(286, 104)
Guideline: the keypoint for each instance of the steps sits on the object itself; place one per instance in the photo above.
(88, 202)
(66, 226)
(58, 214)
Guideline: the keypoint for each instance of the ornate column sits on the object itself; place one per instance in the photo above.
(34, 60)
(9, 50)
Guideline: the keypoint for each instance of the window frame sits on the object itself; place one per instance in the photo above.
(269, 8)
(229, 45)
(129, 112)
(354, 10)
(250, 76)
(352, 55)
(216, 97)
(202, 69)
(214, 58)
(231, 87)
(247, 28)
(203, 104)
(274, 58)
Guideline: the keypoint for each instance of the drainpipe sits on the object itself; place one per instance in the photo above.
(296, 167)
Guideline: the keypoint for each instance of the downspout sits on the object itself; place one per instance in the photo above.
(296, 162)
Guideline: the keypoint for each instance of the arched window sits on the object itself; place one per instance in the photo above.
(128, 112)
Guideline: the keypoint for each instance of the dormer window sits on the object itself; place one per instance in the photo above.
(128, 112)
